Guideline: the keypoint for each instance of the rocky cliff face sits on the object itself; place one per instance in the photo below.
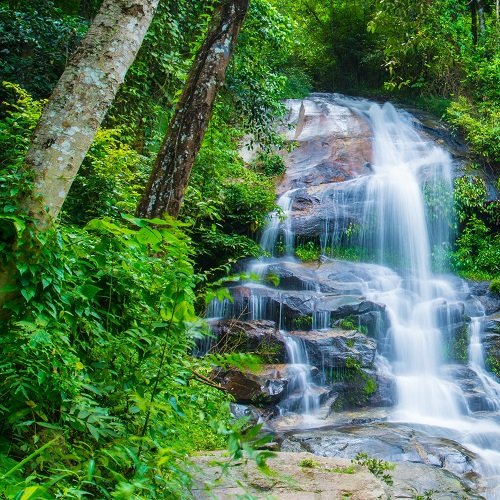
(341, 340)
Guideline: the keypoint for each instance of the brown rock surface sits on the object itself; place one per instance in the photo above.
(328, 478)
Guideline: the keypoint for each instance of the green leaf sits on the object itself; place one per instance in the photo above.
(35, 492)
(149, 236)
(88, 291)
(93, 430)
(28, 294)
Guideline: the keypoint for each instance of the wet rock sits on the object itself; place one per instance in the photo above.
(267, 386)
(481, 290)
(295, 476)
(258, 336)
(491, 343)
(334, 144)
(337, 348)
(396, 443)
(385, 392)
(472, 387)
(325, 209)
(437, 131)
(239, 411)
(364, 313)
(294, 401)
(293, 276)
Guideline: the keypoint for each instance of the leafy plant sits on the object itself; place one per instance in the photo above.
(376, 466)
(308, 251)
(495, 286)
(303, 322)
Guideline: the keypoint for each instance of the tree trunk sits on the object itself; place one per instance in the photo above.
(80, 101)
(473, 13)
(75, 110)
(168, 181)
(480, 15)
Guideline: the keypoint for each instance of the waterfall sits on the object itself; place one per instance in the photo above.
(489, 385)
(279, 224)
(303, 395)
(396, 232)
(392, 207)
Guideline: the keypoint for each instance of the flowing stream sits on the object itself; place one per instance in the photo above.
(403, 205)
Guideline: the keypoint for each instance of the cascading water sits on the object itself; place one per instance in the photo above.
(490, 386)
(399, 234)
(395, 232)
(303, 394)
(397, 212)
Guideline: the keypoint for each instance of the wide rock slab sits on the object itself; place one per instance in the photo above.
(304, 476)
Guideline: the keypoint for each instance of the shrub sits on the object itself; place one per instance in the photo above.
(495, 286)
(308, 251)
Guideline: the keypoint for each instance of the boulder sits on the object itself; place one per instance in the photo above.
(398, 443)
(333, 145)
(337, 348)
(489, 300)
(472, 387)
(267, 386)
(259, 336)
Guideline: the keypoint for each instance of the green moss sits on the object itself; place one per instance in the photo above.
(360, 385)
(269, 351)
(309, 463)
(493, 364)
(303, 322)
(456, 348)
(348, 323)
(495, 286)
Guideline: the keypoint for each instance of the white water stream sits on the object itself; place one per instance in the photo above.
(398, 233)
(401, 233)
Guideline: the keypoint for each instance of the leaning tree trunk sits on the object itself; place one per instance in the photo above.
(80, 101)
(75, 110)
(168, 181)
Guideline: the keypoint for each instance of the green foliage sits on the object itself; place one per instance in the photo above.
(493, 364)
(495, 286)
(270, 164)
(98, 350)
(456, 347)
(376, 466)
(226, 202)
(480, 124)
(36, 40)
(351, 253)
(477, 253)
(302, 322)
(308, 252)
(309, 463)
(348, 323)
(109, 181)
(146, 100)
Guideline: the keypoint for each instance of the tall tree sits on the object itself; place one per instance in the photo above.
(168, 181)
(80, 101)
(75, 111)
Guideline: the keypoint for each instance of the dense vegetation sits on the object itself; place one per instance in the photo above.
(99, 393)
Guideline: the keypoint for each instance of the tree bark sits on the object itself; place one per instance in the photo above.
(480, 15)
(168, 181)
(75, 111)
(473, 13)
(80, 101)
